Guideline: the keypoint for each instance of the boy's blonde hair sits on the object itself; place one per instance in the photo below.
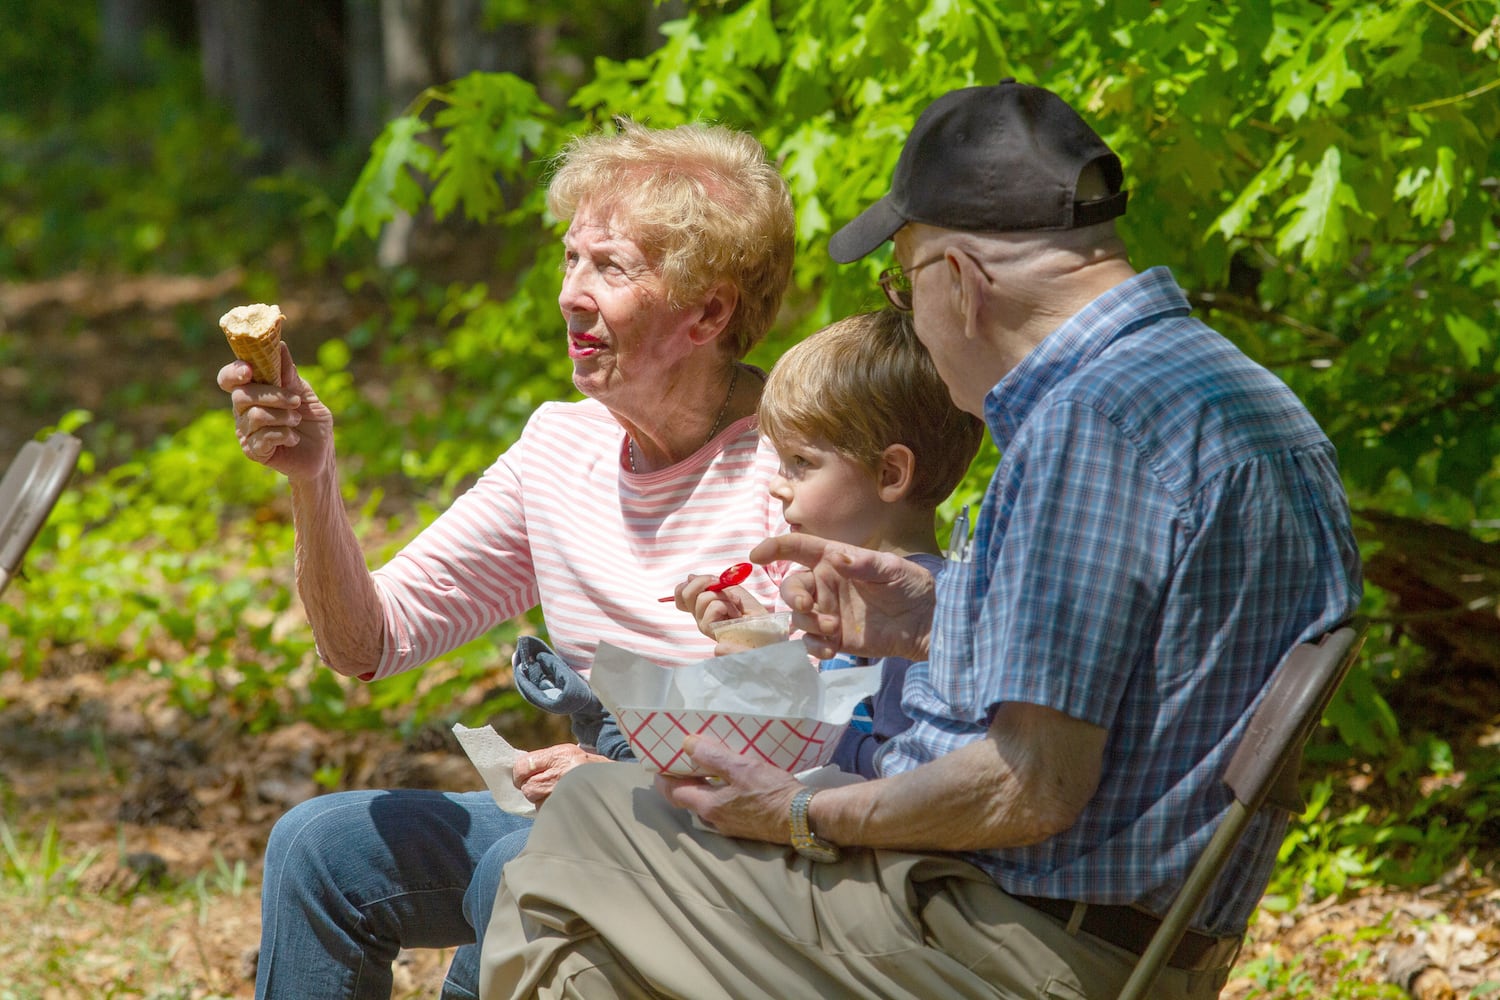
(863, 384)
(701, 200)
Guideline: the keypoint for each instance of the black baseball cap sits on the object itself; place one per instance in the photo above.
(992, 160)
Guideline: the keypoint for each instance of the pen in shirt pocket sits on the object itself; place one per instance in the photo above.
(958, 541)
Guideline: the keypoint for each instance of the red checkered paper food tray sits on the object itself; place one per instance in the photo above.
(656, 736)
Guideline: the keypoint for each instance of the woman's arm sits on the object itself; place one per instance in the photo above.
(288, 429)
(335, 585)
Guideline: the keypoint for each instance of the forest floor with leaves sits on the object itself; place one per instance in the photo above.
(133, 832)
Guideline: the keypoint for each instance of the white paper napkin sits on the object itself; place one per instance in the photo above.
(494, 758)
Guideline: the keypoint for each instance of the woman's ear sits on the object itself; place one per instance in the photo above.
(718, 305)
(896, 474)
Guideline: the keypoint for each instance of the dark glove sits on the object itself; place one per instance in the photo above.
(612, 743)
(551, 685)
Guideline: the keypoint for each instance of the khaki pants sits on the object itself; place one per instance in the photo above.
(619, 894)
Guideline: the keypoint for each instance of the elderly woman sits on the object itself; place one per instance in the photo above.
(678, 250)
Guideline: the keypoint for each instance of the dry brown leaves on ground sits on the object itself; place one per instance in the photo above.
(171, 806)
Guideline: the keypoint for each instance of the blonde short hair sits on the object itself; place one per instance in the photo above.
(863, 384)
(702, 200)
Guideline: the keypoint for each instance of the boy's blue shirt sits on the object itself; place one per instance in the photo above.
(880, 717)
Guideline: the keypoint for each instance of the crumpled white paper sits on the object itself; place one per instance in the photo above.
(772, 680)
(771, 702)
(494, 758)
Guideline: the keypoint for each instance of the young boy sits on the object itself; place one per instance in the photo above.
(870, 443)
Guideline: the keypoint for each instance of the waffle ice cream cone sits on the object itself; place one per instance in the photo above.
(254, 334)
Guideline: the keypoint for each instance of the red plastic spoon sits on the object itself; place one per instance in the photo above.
(731, 576)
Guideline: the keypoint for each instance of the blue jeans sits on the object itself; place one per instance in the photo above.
(354, 877)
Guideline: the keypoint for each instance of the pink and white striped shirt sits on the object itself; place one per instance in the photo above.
(558, 520)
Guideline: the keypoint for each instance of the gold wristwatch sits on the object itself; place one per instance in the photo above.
(807, 843)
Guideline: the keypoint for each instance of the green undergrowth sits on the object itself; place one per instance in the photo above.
(72, 933)
(179, 564)
(1294, 979)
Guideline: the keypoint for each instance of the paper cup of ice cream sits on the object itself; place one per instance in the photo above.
(752, 631)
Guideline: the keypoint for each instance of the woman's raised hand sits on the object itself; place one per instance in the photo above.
(285, 428)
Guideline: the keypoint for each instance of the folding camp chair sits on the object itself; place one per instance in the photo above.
(32, 484)
(1263, 771)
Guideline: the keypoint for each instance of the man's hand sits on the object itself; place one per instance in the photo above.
(742, 797)
(536, 773)
(285, 428)
(1029, 779)
(853, 600)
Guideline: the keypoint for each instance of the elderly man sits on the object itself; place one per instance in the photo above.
(1167, 520)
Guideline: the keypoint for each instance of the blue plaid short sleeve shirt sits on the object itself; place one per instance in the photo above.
(1167, 520)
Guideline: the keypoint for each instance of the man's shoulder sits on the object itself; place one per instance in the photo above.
(1174, 367)
(1188, 402)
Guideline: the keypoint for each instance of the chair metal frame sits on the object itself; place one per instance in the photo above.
(32, 484)
(1263, 771)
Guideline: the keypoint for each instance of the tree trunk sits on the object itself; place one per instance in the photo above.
(122, 36)
(474, 44)
(277, 63)
(125, 24)
(410, 39)
(1444, 587)
(364, 60)
(215, 48)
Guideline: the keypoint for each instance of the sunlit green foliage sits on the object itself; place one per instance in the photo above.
(1321, 177)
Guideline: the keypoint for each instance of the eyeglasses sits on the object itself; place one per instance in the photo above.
(896, 282)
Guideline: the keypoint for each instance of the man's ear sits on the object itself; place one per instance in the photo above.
(972, 286)
(896, 474)
(716, 308)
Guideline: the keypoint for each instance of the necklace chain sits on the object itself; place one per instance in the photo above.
(734, 379)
